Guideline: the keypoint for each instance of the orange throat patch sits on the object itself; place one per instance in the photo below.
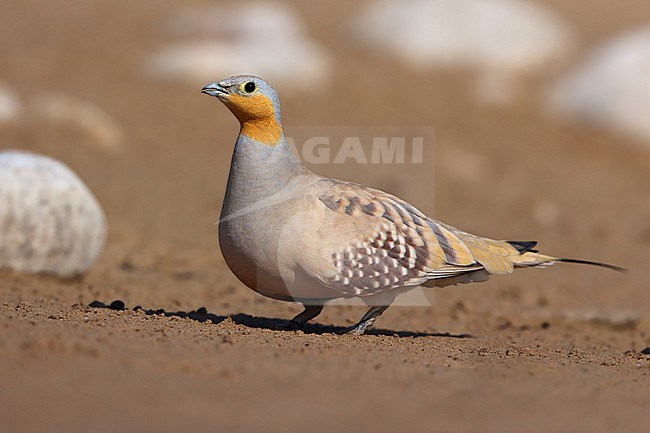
(257, 117)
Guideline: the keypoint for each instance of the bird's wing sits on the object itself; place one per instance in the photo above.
(393, 244)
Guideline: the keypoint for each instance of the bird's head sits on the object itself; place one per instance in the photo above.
(254, 102)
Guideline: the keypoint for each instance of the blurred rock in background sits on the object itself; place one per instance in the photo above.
(266, 39)
(502, 40)
(56, 110)
(84, 115)
(10, 105)
(611, 87)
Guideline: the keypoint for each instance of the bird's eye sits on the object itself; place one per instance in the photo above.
(249, 87)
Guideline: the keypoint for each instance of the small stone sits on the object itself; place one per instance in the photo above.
(127, 266)
(116, 305)
(646, 351)
(97, 304)
(50, 222)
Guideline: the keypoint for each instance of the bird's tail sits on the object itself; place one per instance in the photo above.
(533, 258)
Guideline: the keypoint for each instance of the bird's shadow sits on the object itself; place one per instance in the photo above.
(202, 315)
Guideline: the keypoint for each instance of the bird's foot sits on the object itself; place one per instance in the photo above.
(360, 328)
(299, 322)
(366, 321)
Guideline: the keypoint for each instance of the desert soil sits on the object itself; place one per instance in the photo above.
(555, 349)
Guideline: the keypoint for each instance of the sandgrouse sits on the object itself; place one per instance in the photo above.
(290, 234)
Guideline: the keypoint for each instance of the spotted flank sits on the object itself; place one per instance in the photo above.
(406, 248)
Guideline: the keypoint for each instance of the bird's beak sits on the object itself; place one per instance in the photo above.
(215, 89)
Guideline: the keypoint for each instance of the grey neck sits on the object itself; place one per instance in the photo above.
(258, 171)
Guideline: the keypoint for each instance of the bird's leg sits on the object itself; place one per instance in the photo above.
(306, 315)
(367, 320)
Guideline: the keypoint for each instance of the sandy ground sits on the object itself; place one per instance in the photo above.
(543, 350)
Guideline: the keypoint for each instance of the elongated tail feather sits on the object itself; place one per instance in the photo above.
(536, 259)
(588, 262)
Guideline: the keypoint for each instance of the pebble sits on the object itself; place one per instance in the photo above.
(117, 305)
(50, 222)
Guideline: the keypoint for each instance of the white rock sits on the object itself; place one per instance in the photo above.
(611, 88)
(265, 39)
(49, 221)
(10, 105)
(84, 115)
(501, 38)
(272, 20)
